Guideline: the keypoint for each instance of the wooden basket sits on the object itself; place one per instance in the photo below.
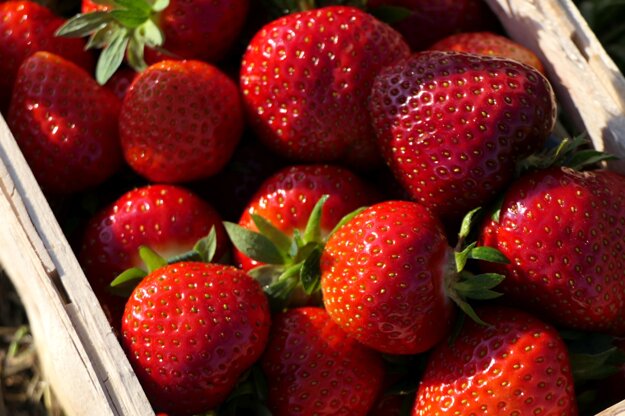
(81, 356)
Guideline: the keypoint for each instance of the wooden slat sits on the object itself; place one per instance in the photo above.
(590, 89)
(84, 336)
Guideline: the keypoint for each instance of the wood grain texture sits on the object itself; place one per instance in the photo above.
(81, 355)
(589, 86)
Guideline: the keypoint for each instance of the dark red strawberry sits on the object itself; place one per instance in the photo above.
(489, 43)
(287, 199)
(518, 365)
(25, 28)
(314, 368)
(180, 121)
(452, 125)
(168, 219)
(306, 78)
(65, 124)
(429, 21)
(154, 31)
(120, 81)
(390, 279)
(281, 233)
(564, 233)
(190, 330)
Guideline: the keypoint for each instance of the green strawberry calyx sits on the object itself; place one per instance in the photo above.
(462, 284)
(204, 250)
(290, 273)
(123, 30)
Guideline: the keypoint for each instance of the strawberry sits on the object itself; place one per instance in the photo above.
(489, 43)
(154, 31)
(314, 368)
(518, 365)
(168, 219)
(424, 22)
(452, 125)
(25, 28)
(564, 233)
(306, 78)
(120, 81)
(390, 279)
(285, 224)
(180, 121)
(190, 330)
(65, 124)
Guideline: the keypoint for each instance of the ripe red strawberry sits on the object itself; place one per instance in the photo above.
(314, 368)
(382, 278)
(178, 29)
(287, 199)
(306, 78)
(429, 21)
(190, 330)
(25, 28)
(180, 121)
(518, 365)
(390, 279)
(564, 233)
(489, 43)
(168, 219)
(65, 124)
(452, 125)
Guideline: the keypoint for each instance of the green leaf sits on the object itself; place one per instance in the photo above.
(266, 228)
(305, 251)
(479, 282)
(160, 5)
(135, 54)
(130, 19)
(134, 5)
(112, 56)
(83, 24)
(254, 245)
(151, 34)
(461, 257)
(346, 219)
(391, 14)
(124, 284)
(207, 246)
(596, 366)
(102, 37)
(481, 294)
(151, 258)
(467, 223)
(313, 227)
(310, 274)
(489, 254)
(266, 274)
(588, 157)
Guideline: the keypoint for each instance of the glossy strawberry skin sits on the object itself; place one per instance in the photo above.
(306, 78)
(65, 124)
(25, 28)
(180, 121)
(313, 367)
(190, 330)
(169, 219)
(452, 125)
(516, 365)
(564, 233)
(489, 43)
(430, 21)
(203, 30)
(383, 278)
(287, 198)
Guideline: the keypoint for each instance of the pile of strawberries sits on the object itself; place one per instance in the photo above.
(353, 209)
